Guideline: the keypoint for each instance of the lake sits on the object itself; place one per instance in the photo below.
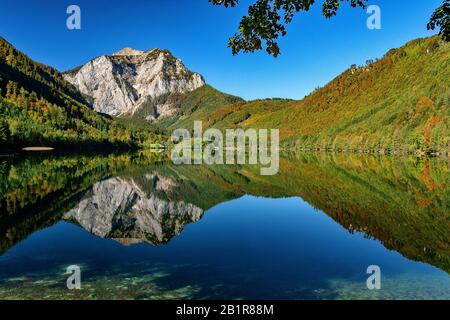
(140, 227)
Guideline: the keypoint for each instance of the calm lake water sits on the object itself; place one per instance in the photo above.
(142, 228)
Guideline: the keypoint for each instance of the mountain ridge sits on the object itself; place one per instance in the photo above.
(396, 104)
(128, 52)
(39, 107)
(399, 103)
(131, 81)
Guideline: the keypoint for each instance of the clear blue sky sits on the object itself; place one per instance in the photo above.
(314, 51)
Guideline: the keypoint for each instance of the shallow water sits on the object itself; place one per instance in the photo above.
(140, 229)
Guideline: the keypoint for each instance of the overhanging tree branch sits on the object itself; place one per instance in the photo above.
(441, 19)
(266, 21)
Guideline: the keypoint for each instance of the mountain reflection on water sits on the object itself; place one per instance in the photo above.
(401, 201)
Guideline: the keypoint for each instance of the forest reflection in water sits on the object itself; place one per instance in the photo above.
(403, 202)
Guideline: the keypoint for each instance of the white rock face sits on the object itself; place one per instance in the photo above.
(119, 209)
(131, 80)
(129, 52)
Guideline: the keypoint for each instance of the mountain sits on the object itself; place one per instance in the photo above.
(39, 107)
(134, 82)
(399, 103)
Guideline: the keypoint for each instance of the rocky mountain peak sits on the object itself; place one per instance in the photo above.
(128, 52)
(135, 83)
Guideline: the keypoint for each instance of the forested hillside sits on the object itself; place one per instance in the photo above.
(38, 107)
(196, 105)
(400, 103)
(397, 104)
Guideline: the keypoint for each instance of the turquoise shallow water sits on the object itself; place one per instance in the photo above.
(164, 233)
